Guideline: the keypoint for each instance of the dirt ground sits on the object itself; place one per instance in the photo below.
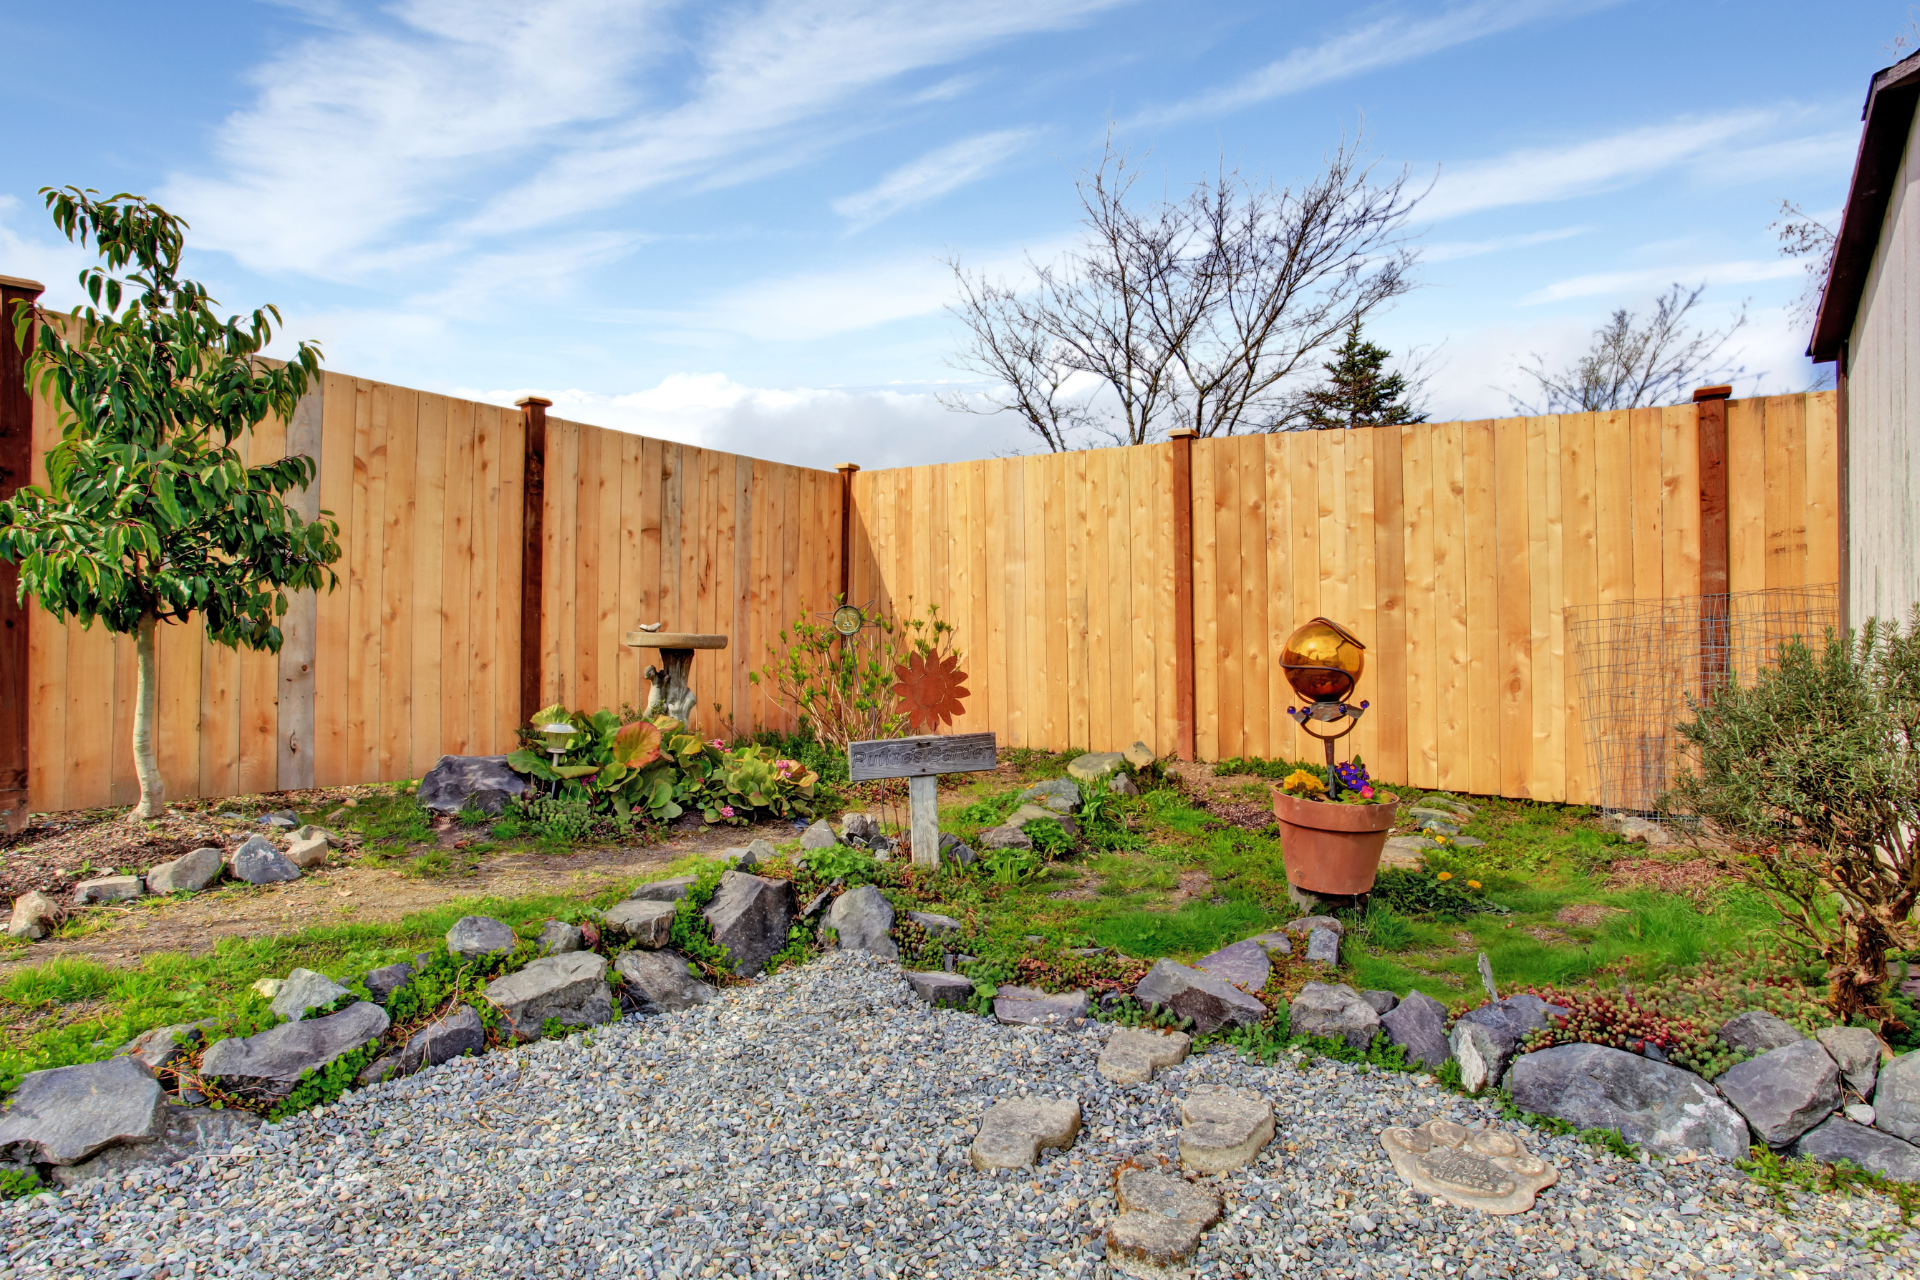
(361, 894)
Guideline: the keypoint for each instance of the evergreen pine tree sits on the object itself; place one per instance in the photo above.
(1357, 392)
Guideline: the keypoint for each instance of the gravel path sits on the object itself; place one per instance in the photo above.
(816, 1124)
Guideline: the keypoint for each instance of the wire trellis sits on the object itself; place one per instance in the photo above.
(1641, 661)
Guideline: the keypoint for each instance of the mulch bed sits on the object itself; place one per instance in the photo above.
(1249, 815)
(1697, 879)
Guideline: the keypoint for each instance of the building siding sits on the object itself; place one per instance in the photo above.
(1883, 393)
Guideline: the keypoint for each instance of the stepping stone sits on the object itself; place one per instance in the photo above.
(1161, 1220)
(1404, 852)
(475, 936)
(68, 1114)
(941, 990)
(1223, 1128)
(1056, 794)
(1027, 1007)
(1014, 1131)
(1133, 1053)
(1484, 1169)
(1244, 964)
(1467, 842)
(646, 922)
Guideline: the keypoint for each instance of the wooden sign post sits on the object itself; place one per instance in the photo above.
(921, 761)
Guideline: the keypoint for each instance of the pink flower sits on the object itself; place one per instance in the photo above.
(726, 811)
(1366, 793)
(717, 743)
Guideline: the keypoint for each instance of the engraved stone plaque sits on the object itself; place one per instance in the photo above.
(1484, 1169)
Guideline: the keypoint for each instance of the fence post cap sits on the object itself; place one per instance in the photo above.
(1712, 393)
(524, 401)
(846, 468)
(1184, 433)
(22, 283)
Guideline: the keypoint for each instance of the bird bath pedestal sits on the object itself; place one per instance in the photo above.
(671, 694)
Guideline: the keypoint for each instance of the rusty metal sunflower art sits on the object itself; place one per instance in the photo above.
(931, 690)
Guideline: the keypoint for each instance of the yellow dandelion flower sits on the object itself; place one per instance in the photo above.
(1446, 875)
(1473, 884)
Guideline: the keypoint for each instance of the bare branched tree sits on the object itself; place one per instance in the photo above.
(1632, 364)
(1196, 312)
(1804, 236)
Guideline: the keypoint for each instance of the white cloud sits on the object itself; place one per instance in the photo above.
(806, 426)
(1383, 42)
(1451, 250)
(933, 175)
(1653, 279)
(52, 261)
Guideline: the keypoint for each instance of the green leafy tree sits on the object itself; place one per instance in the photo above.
(1812, 775)
(1358, 391)
(150, 513)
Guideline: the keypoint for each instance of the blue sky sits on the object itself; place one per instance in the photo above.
(725, 222)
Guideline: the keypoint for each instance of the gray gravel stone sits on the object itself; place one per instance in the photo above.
(266, 1067)
(1784, 1092)
(660, 981)
(861, 918)
(68, 1114)
(189, 873)
(1662, 1108)
(570, 988)
(475, 936)
(749, 916)
(259, 861)
(485, 782)
(1191, 993)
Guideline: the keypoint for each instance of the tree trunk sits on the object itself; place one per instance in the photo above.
(153, 794)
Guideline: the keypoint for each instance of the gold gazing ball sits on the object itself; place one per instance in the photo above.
(1323, 661)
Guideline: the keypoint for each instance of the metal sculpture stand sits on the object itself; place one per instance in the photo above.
(1328, 713)
(672, 693)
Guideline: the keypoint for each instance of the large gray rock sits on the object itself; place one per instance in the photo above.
(106, 889)
(163, 1046)
(1784, 1092)
(1305, 925)
(749, 916)
(69, 1114)
(259, 861)
(941, 990)
(1191, 993)
(1004, 837)
(460, 1032)
(1244, 964)
(859, 828)
(266, 1067)
(1419, 1023)
(303, 990)
(861, 917)
(387, 979)
(1856, 1051)
(1659, 1107)
(189, 873)
(1323, 947)
(1896, 1098)
(473, 937)
(660, 981)
(1336, 1011)
(35, 915)
(1028, 1007)
(308, 853)
(1517, 1017)
(647, 923)
(485, 782)
(1057, 794)
(1382, 1001)
(669, 890)
(1095, 765)
(819, 835)
(1838, 1139)
(1757, 1031)
(558, 937)
(1483, 1051)
(934, 923)
(569, 988)
(188, 1132)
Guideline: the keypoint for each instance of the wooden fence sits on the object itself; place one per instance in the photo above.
(418, 653)
(1453, 550)
(1100, 597)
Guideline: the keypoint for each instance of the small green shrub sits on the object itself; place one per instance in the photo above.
(1426, 892)
(690, 933)
(989, 811)
(1050, 839)
(1261, 767)
(1013, 866)
(15, 1183)
(843, 862)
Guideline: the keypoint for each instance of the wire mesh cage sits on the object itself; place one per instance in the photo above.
(1641, 662)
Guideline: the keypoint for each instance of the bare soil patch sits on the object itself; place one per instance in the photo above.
(1587, 915)
(1697, 879)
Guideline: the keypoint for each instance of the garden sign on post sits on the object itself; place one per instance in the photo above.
(921, 761)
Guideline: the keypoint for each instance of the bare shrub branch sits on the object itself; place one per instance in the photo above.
(1633, 364)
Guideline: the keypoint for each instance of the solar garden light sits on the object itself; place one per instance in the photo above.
(559, 735)
(1323, 661)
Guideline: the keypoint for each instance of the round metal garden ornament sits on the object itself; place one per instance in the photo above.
(848, 619)
(1323, 661)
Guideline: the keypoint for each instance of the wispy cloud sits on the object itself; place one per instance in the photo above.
(1450, 250)
(1383, 42)
(1539, 174)
(933, 175)
(1655, 278)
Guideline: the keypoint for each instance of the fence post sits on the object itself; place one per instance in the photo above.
(846, 470)
(16, 467)
(1183, 439)
(1710, 417)
(533, 545)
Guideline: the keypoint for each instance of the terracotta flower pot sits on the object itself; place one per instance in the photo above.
(1333, 848)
